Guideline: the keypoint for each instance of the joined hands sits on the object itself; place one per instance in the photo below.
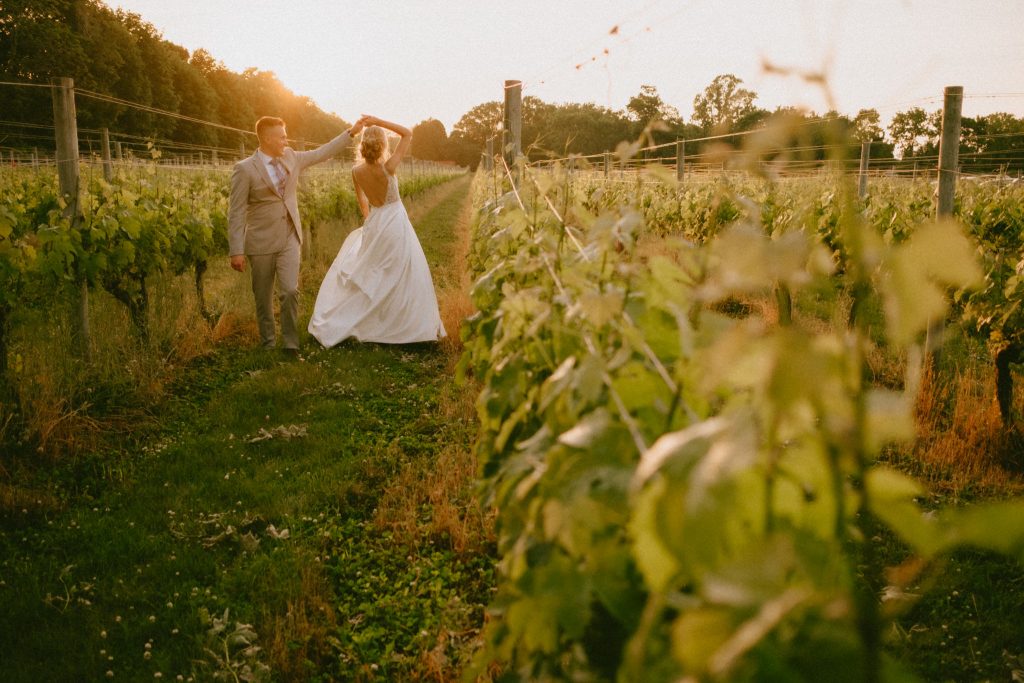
(359, 124)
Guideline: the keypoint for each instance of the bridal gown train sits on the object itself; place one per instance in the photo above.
(379, 288)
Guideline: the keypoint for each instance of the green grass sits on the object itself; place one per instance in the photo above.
(966, 625)
(157, 539)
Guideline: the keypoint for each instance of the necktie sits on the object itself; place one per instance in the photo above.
(282, 175)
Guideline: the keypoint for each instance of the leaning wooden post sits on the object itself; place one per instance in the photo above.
(66, 134)
(949, 149)
(108, 166)
(865, 156)
(680, 160)
(513, 126)
(607, 163)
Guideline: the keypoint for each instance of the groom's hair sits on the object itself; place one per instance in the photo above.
(267, 122)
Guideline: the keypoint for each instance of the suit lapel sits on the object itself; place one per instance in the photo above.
(262, 172)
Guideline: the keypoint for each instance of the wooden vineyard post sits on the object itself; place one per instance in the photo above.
(66, 134)
(680, 160)
(865, 155)
(607, 163)
(492, 167)
(949, 149)
(513, 126)
(108, 166)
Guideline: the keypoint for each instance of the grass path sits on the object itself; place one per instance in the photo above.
(318, 510)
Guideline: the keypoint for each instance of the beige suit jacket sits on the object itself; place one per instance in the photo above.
(259, 219)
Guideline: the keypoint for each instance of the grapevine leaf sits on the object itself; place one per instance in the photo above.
(698, 634)
(891, 497)
(587, 431)
(995, 526)
(655, 560)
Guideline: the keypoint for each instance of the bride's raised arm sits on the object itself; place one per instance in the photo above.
(403, 145)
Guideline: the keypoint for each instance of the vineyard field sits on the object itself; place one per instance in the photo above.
(703, 411)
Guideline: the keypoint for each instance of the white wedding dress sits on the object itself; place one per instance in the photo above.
(379, 287)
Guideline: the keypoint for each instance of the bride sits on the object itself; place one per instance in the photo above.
(379, 288)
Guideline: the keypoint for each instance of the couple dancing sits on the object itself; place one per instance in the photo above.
(379, 287)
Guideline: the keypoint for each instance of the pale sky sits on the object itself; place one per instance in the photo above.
(408, 60)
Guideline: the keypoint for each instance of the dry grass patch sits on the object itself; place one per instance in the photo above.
(962, 443)
(231, 327)
(437, 497)
(302, 633)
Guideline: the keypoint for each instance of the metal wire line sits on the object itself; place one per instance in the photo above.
(110, 99)
(26, 84)
(154, 110)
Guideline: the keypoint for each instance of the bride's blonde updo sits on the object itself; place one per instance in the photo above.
(373, 144)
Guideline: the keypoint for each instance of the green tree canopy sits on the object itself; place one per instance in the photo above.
(723, 103)
(867, 125)
(915, 132)
(647, 106)
(118, 54)
(429, 140)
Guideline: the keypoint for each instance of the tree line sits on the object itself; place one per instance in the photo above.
(988, 143)
(119, 54)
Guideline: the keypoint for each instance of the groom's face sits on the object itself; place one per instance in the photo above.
(274, 140)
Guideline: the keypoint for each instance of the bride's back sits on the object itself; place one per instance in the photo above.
(373, 179)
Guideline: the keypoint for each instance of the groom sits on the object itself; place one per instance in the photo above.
(264, 226)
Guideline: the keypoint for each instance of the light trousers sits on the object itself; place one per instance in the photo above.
(284, 267)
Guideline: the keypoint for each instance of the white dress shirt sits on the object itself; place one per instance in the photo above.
(271, 168)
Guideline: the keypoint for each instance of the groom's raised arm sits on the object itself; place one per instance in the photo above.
(329, 149)
(325, 151)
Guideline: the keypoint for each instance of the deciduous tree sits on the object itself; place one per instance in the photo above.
(723, 103)
(429, 140)
(914, 131)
